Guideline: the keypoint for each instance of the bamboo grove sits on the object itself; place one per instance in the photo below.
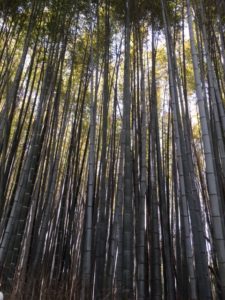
(112, 149)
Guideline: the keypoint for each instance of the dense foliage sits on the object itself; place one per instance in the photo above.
(112, 149)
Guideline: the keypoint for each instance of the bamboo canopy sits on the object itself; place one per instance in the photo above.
(112, 149)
